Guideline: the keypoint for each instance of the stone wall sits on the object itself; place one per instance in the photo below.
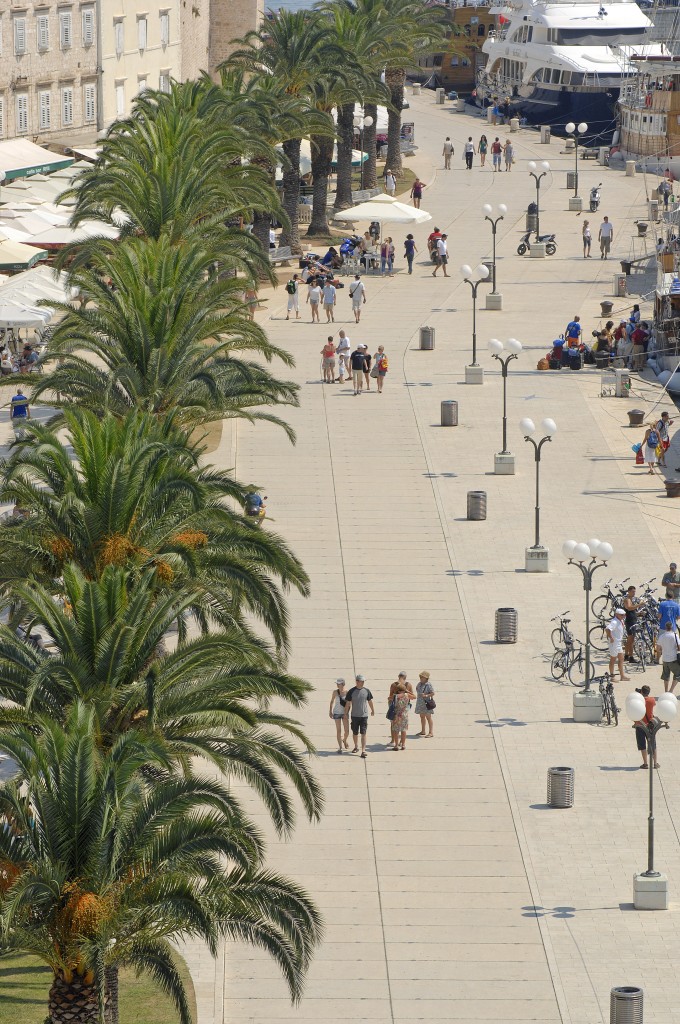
(229, 20)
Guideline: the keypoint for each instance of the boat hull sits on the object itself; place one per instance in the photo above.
(556, 109)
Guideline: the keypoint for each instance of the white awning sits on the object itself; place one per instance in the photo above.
(90, 154)
(20, 158)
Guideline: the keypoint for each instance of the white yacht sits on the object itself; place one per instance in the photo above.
(554, 61)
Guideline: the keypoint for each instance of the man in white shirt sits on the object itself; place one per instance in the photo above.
(357, 293)
(447, 153)
(442, 255)
(329, 294)
(615, 639)
(606, 237)
(390, 183)
(272, 238)
(668, 642)
(343, 349)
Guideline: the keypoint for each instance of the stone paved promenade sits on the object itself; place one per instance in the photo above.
(450, 892)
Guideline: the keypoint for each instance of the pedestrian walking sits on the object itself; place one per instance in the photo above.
(390, 183)
(425, 705)
(410, 249)
(390, 257)
(343, 350)
(447, 153)
(651, 440)
(482, 149)
(328, 361)
(587, 239)
(468, 153)
(400, 720)
(329, 296)
(668, 643)
(605, 237)
(358, 364)
(442, 255)
(671, 581)
(357, 293)
(251, 301)
(293, 290)
(314, 295)
(19, 412)
(380, 367)
(496, 153)
(662, 426)
(368, 359)
(615, 640)
(358, 702)
(384, 255)
(417, 192)
(336, 711)
(640, 734)
(509, 154)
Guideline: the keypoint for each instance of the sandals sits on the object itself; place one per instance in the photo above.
(645, 766)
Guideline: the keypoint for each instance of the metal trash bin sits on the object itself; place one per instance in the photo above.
(619, 285)
(531, 222)
(560, 787)
(476, 505)
(636, 417)
(545, 134)
(449, 413)
(506, 626)
(626, 1005)
(571, 179)
(426, 339)
(440, 95)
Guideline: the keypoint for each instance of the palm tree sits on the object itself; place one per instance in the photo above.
(111, 646)
(157, 330)
(299, 51)
(134, 492)
(99, 871)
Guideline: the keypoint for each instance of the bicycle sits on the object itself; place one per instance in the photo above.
(577, 669)
(600, 605)
(560, 634)
(609, 708)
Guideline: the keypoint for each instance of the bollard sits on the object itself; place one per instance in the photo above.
(449, 413)
(636, 417)
(545, 134)
(476, 505)
(630, 168)
(626, 1005)
(506, 626)
(561, 787)
(620, 285)
(426, 339)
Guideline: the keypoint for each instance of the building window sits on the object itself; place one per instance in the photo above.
(88, 27)
(22, 114)
(90, 103)
(43, 32)
(437, 61)
(120, 99)
(44, 101)
(119, 34)
(67, 105)
(65, 30)
(164, 81)
(165, 27)
(2, 117)
(142, 85)
(480, 30)
(19, 36)
(454, 62)
(141, 33)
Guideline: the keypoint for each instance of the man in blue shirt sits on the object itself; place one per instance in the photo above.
(669, 611)
(254, 503)
(19, 411)
(573, 332)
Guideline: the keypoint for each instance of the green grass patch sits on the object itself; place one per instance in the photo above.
(25, 983)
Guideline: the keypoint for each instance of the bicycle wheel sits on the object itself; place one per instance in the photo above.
(599, 606)
(641, 652)
(615, 710)
(606, 706)
(556, 638)
(558, 665)
(598, 637)
(577, 670)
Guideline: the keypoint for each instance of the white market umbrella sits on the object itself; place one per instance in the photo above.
(23, 316)
(306, 158)
(386, 210)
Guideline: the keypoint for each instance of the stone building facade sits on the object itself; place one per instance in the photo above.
(48, 69)
(208, 28)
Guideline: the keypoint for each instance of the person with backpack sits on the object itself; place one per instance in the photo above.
(496, 154)
(380, 367)
(652, 439)
(293, 290)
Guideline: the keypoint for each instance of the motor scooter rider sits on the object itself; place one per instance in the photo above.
(254, 503)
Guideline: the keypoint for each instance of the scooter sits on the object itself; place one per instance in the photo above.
(595, 198)
(348, 245)
(549, 240)
(257, 512)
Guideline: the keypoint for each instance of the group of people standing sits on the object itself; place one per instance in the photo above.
(352, 707)
(357, 363)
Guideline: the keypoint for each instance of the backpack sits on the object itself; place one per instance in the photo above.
(290, 287)
(653, 439)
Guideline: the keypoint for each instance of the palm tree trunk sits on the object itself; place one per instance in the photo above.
(73, 1002)
(291, 195)
(394, 80)
(370, 173)
(322, 159)
(111, 1015)
(343, 194)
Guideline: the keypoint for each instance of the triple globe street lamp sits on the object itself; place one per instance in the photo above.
(494, 299)
(504, 461)
(361, 123)
(536, 557)
(474, 373)
(588, 558)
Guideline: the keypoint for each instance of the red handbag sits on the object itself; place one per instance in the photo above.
(639, 458)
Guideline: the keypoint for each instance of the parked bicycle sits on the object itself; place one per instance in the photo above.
(603, 605)
(609, 709)
(560, 635)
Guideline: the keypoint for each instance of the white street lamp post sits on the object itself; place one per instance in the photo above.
(494, 299)
(362, 122)
(536, 558)
(588, 558)
(576, 131)
(504, 461)
(538, 178)
(474, 373)
(650, 887)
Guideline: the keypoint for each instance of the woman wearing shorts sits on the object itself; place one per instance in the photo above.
(587, 240)
(380, 367)
(328, 361)
(336, 711)
(482, 149)
(425, 692)
(640, 734)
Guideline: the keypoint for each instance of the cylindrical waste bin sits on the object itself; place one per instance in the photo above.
(626, 1005)
(476, 505)
(514, 124)
(506, 626)
(427, 339)
(653, 209)
(560, 787)
(636, 417)
(416, 88)
(630, 168)
(619, 285)
(449, 413)
(488, 263)
(571, 179)
(440, 95)
(531, 221)
(460, 105)
(545, 133)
